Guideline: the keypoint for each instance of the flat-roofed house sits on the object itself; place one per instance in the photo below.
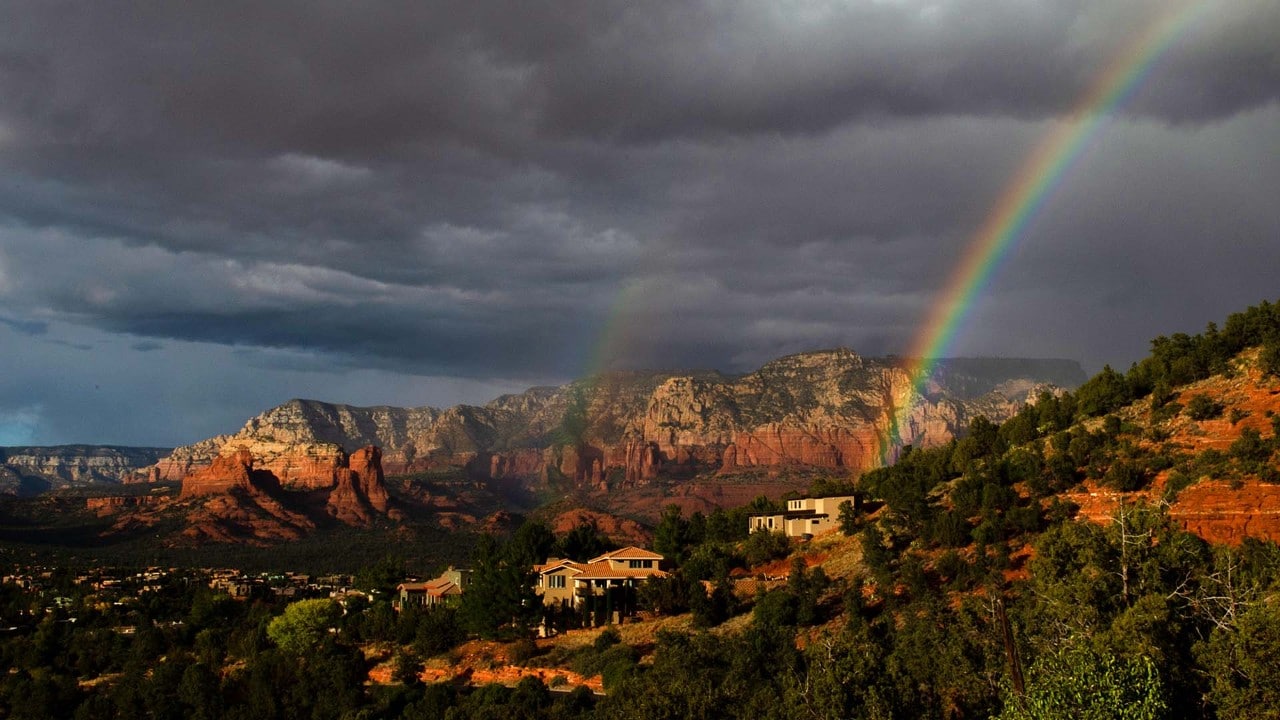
(803, 516)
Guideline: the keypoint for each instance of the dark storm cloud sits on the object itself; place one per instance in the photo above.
(488, 190)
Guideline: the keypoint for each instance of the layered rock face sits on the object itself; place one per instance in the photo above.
(104, 506)
(80, 464)
(224, 473)
(831, 409)
(360, 491)
(1220, 513)
(235, 497)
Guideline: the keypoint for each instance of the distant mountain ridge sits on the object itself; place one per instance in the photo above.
(829, 409)
(38, 468)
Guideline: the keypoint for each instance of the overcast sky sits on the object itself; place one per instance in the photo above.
(207, 208)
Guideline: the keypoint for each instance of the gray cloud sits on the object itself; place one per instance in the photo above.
(26, 327)
(489, 195)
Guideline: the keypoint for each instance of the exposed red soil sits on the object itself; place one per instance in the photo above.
(1220, 510)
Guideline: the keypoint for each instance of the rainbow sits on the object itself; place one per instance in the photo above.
(1028, 192)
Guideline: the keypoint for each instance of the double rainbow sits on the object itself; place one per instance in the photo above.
(1028, 192)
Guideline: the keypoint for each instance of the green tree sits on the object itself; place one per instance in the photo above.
(671, 536)
(303, 624)
(1079, 683)
(848, 519)
(532, 543)
(573, 426)
(500, 594)
(1242, 662)
(583, 542)
(762, 546)
(1103, 393)
(199, 691)
(1269, 359)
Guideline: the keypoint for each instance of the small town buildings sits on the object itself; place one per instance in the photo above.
(568, 583)
(803, 516)
(444, 590)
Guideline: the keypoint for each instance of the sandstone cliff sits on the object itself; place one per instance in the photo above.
(360, 493)
(234, 498)
(76, 464)
(831, 409)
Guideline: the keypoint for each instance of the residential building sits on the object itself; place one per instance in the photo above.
(569, 583)
(803, 516)
(444, 590)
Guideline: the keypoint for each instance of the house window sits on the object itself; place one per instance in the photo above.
(637, 564)
(555, 581)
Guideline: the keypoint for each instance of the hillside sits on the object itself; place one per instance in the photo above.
(1214, 467)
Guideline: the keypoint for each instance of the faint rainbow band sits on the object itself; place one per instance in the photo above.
(1029, 191)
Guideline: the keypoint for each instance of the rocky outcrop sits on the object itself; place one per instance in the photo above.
(623, 531)
(111, 505)
(79, 464)
(831, 409)
(357, 491)
(226, 472)
(299, 465)
(360, 493)
(1220, 513)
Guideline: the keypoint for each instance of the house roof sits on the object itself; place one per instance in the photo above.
(412, 586)
(441, 587)
(629, 553)
(558, 565)
(602, 570)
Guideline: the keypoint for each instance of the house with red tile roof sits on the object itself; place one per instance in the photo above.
(444, 590)
(569, 583)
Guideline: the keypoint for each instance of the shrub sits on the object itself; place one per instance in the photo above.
(1202, 407)
(1269, 360)
(1024, 519)
(1211, 463)
(1125, 475)
(950, 529)
(523, 650)
(1166, 412)
(761, 547)
(607, 639)
(1250, 448)
(1177, 482)
(953, 568)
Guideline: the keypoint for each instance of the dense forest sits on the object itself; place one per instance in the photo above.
(976, 594)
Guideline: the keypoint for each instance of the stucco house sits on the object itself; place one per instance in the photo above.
(803, 516)
(444, 590)
(569, 583)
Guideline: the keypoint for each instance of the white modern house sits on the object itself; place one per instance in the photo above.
(803, 516)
